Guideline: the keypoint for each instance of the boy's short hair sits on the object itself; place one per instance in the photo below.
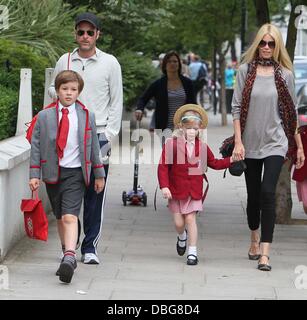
(68, 76)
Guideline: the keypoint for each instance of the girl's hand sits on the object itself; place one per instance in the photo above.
(99, 185)
(238, 152)
(34, 184)
(300, 158)
(166, 193)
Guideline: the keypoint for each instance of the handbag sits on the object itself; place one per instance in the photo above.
(237, 168)
(35, 219)
(227, 147)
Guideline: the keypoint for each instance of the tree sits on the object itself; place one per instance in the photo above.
(130, 24)
(297, 6)
(43, 25)
(262, 12)
(201, 26)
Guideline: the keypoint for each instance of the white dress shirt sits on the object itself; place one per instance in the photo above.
(71, 157)
(190, 147)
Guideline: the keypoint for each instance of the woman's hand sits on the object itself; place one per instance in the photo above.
(300, 158)
(34, 184)
(166, 193)
(238, 152)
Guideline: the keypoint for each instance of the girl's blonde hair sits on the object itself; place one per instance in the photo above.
(178, 132)
(280, 53)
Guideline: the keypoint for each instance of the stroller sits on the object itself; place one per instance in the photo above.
(136, 196)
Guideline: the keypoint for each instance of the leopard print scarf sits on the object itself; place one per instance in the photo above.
(286, 106)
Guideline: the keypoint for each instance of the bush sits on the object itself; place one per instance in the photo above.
(138, 72)
(8, 111)
(13, 57)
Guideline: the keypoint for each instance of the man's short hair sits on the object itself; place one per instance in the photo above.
(68, 76)
(88, 17)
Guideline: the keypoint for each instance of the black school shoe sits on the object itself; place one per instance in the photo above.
(192, 262)
(181, 250)
(67, 268)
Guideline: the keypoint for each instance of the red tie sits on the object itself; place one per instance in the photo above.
(63, 133)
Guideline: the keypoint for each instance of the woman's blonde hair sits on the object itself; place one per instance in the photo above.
(280, 53)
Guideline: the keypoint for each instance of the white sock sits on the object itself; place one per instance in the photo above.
(192, 250)
(182, 237)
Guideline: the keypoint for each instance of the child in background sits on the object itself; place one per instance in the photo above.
(300, 175)
(183, 162)
(65, 148)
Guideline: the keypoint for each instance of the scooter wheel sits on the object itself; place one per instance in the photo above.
(124, 198)
(144, 199)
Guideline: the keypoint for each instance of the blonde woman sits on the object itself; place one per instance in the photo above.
(265, 122)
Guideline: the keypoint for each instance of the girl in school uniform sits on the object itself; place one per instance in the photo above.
(184, 159)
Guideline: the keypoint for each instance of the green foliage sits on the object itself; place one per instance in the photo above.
(137, 72)
(128, 24)
(20, 56)
(44, 25)
(8, 111)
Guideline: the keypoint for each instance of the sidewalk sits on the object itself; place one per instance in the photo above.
(138, 249)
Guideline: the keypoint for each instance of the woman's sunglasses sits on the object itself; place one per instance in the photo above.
(263, 43)
(80, 32)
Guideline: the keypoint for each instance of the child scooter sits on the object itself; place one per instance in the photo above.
(137, 195)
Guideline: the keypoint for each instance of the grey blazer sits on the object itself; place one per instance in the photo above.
(44, 157)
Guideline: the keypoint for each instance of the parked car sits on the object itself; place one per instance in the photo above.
(300, 69)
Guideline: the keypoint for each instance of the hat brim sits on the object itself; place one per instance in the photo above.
(191, 107)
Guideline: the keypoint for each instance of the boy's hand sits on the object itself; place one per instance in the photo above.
(166, 193)
(99, 185)
(138, 115)
(34, 184)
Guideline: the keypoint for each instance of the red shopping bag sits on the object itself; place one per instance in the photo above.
(35, 219)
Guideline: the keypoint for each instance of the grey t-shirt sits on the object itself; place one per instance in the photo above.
(264, 135)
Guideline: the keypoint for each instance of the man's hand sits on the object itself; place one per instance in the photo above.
(34, 184)
(99, 185)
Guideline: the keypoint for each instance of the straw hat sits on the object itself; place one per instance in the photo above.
(191, 107)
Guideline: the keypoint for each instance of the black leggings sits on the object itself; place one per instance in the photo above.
(261, 194)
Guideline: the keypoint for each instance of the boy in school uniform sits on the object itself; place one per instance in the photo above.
(64, 150)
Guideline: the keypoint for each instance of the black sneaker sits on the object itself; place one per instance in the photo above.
(67, 268)
(58, 271)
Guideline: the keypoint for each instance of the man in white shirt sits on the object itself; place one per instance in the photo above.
(103, 95)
